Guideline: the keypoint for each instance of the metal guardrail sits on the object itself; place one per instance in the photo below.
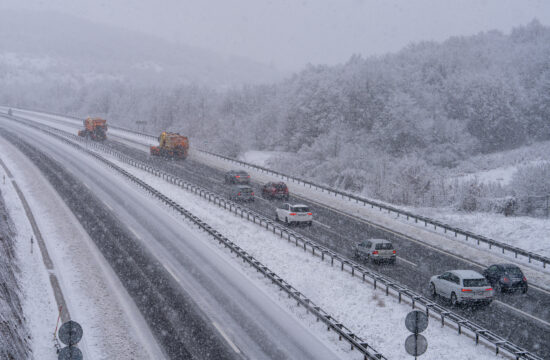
(343, 332)
(530, 256)
(447, 317)
(543, 260)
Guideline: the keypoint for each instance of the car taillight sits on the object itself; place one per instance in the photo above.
(505, 279)
(239, 194)
(248, 176)
(524, 278)
(237, 176)
(310, 213)
(253, 193)
(292, 214)
(488, 289)
(394, 251)
(286, 191)
(466, 290)
(375, 252)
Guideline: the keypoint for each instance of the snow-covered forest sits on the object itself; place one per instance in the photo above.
(393, 127)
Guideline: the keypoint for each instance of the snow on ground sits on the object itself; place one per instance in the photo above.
(502, 175)
(522, 231)
(435, 238)
(367, 312)
(39, 305)
(260, 158)
(113, 327)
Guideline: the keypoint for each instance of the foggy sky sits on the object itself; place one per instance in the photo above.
(290, 33)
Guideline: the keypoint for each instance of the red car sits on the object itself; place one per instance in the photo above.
(273, 190)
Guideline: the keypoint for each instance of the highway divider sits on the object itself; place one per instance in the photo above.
(389, 286)
(467, 235)
(333, 324)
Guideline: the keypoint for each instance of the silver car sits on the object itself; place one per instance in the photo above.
(376, 250)
(462, 286)
(241, 193)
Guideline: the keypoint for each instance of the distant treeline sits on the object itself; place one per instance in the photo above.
(385, 126)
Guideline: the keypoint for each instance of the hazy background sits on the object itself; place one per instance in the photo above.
(290, 33)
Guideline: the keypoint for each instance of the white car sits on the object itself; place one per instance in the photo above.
(462, 286)
(294, 214)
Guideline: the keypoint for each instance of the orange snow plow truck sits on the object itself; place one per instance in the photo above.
(171, 145)
(94, 128)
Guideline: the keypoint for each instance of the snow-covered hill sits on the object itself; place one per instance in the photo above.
(37, 46)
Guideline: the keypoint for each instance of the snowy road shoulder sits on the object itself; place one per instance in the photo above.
(95, 298)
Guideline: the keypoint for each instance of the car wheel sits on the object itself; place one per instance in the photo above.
(498, 288)
(454, 300)
(286, 221)
(392, 261)
(277, 217)
(433, 291)
(310, 223)
(524, 289)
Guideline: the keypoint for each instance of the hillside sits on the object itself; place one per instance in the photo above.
(37, 47)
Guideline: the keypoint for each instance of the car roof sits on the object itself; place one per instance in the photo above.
(379, 241)
(298, 205)
(508, 266)
(467, 274)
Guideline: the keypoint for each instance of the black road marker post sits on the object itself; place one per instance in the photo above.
(416, 322)
(70, 334)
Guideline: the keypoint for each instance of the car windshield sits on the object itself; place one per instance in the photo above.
(300, 209)
(280, 186)
(475, 282)
(384, 246)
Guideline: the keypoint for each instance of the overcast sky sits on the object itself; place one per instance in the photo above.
(291, 33)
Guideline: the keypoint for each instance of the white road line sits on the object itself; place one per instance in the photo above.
(215, 180)
(171, 272)
(224, 335)
(320, 223)
(135, 233)
(261, 198)
(523, 313)
(108, 206)
(87, 186)
(407, 261)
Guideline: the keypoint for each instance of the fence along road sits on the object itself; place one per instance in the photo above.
(467, 235)
(356, 342)
(446, 317)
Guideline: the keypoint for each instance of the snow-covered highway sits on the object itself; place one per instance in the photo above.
(200, 174)
(222, 306)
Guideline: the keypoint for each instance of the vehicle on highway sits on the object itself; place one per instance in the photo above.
(273, 190)
(294, 214)
(376, 250)
(505, 277)
(10, 112)
(241, 193)
(237, 177)
(462, 286)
